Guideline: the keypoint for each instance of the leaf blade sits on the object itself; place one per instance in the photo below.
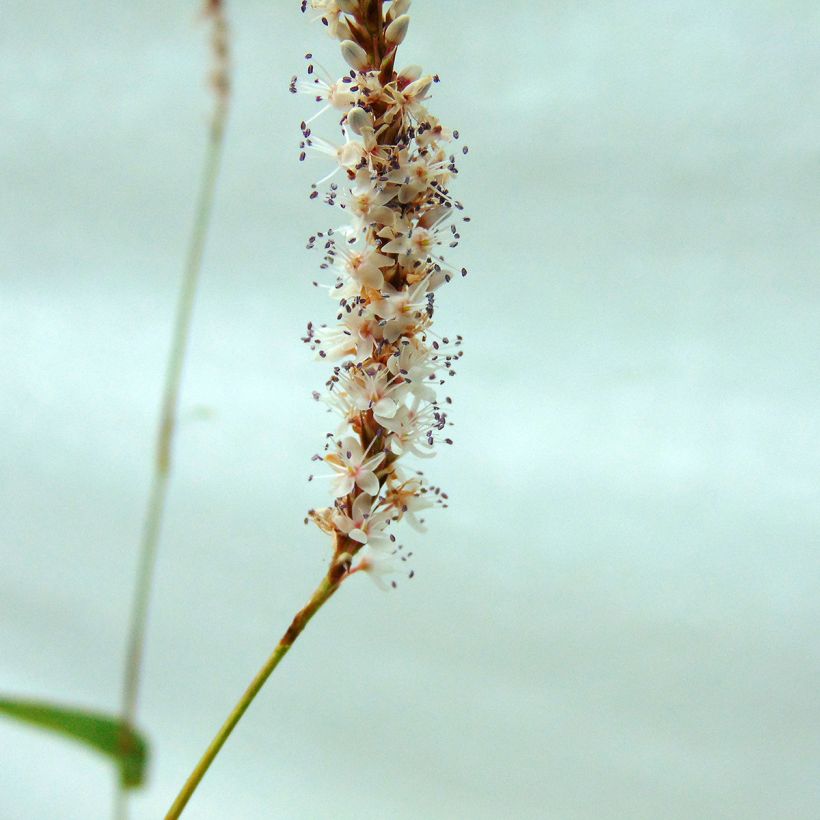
(101, 732)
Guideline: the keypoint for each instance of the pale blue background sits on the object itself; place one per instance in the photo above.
(617, 618)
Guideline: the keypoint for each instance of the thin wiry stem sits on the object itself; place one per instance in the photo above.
(165, 433)
(323, 592)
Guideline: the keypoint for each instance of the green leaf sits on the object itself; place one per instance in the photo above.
(104, 733)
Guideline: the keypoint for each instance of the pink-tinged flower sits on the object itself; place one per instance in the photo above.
(357, 334)
(353, 468)
(376, 389)
(364, 524)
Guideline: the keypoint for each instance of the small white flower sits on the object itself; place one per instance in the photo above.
(334, 93)
(409, 498)
(330, 12)
(412, 430)
(364, 525)
(354, 468)
(357, 335)
(347, 155)
(379, 391)
(365, 266)
(368, 198)
(414, 362)
(379, 566)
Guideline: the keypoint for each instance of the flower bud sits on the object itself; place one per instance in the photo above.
(358, 119)
(397, 30)
(354, 55)
(398, 7)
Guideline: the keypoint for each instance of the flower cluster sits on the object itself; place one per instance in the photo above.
(390, 173)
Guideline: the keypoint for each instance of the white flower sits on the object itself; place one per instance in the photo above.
(404, 311)
(416, 245)
(368, 198)
(412, 429)
(354, 468)
(364, 525)
(408, 498)
(414, 362)
(335, 93)
(330, 12)
(347, 155)
(414, 173)
(379, 566)
(357, 335)
(364, 266)
(379, 391)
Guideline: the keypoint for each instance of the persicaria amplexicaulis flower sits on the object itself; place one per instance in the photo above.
(388, 169)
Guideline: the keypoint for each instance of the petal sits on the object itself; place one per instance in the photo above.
(370, 277)
(414, 522)
(382, 215)
(380, 260)
(358, 535)
(352, 446)
(380, 543)
(385, 408)
(385, 196)
(343, 485)
(368, 482)
(343, 523)
(372, 463)
(398, 245)
(362, 506)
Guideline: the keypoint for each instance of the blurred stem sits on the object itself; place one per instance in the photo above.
(323, 592)
(165, 433)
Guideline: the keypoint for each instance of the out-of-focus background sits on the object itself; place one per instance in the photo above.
(618, 616)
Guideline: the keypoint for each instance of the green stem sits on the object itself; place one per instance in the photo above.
(323, 592)
(165, 433)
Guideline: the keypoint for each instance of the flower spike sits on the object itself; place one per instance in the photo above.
(388, 263)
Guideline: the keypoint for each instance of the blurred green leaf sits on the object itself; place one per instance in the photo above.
(101, 732)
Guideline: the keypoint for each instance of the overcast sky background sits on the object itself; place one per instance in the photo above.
(617, 617)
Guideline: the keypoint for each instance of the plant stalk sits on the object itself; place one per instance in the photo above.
(323, 592)
(165, 433)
